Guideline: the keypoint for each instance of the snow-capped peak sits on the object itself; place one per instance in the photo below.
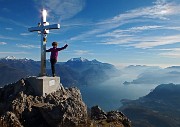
(25, 59)
(10, 58)
(78, 59)
(14, 58)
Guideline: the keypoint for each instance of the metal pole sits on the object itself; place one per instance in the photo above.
(43, 45)
(43, 55)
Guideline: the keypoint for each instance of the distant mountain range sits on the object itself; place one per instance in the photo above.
(76, 71)
(160, 108)
(81, 71)
(153, 75)
(12, 69)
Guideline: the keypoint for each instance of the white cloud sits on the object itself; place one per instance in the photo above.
(6, 10)
(13, 21)
(8, 28)
(142, 28)
(160, 11)
(123, 40)
(141, 36)
(8, 37)
(27, 46)
(86, 34)
(143, 42)
(127, 32)
(170, 53)
(25, 34)
(63, 9)
(170, 49)
(150, 42)
(3, 43)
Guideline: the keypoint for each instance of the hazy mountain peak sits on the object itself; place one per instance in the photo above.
(95, 60)
(79, 59)
(10, 58)
(167, 87)
(26, 59)
(173, 67)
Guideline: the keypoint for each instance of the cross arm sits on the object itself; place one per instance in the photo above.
(48, 27)
(32, 29)
(54, 26)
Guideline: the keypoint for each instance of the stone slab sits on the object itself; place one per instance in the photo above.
(44, 85)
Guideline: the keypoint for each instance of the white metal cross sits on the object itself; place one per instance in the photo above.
(43, 28)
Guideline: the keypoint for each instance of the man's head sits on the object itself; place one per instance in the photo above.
(54, 44)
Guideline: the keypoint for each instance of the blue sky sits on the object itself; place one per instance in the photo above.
(121, 32)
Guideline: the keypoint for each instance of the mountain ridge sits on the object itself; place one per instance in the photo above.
(159, 108)
(75, 71)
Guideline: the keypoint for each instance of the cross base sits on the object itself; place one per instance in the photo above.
(44, 85)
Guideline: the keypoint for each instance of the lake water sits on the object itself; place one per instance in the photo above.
(109, 94)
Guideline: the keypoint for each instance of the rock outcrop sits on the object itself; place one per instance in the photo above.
(19, 107)
(112, 118)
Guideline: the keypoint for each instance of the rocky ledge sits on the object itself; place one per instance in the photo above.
(19, 107)
(108, 119)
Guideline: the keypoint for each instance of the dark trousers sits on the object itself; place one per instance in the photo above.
(53, 62)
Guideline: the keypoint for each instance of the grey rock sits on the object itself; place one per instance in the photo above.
(9, 119)
(97, 113)
(63, 108)
(114, 116)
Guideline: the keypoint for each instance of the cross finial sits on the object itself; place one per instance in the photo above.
(44, 14)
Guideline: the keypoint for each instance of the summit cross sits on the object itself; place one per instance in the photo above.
(43, 28)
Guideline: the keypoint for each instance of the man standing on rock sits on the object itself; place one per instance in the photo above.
(54, 55)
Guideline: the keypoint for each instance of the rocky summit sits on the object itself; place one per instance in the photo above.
(19, 107)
